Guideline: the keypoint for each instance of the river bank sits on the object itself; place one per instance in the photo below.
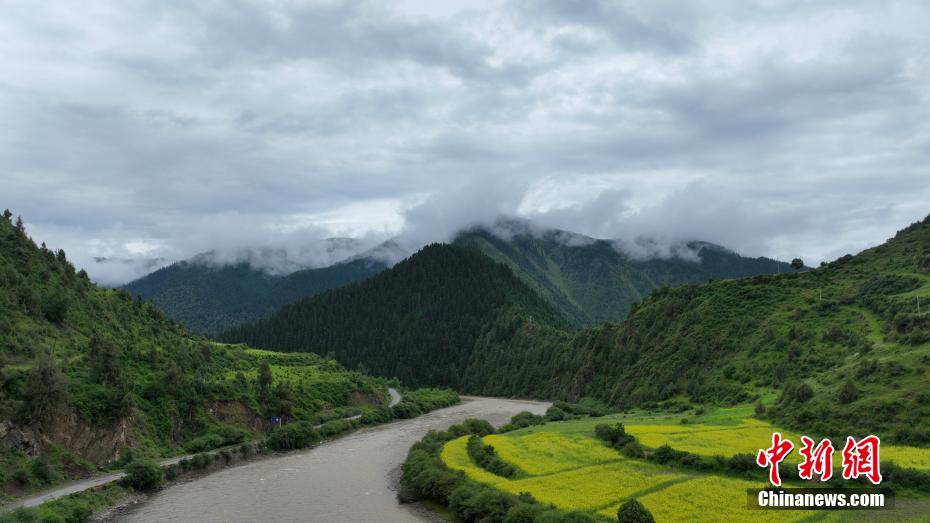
(352, 478)
(34, 500)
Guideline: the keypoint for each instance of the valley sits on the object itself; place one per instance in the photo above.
(699, 370)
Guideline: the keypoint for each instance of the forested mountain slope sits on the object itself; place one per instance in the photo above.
(589, 281)
(842, 347)
(418, 321)
(86, 373)
(837, 349)
(592, 281)
(210, 298)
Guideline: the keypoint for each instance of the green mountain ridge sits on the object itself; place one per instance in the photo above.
(838, 349)
(589, 281)
(592, 281)
(87, 373)
(417, 321)
(210, 298)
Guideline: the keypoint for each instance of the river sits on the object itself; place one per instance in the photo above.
(351, 479)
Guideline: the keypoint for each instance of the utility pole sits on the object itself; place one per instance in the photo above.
(918, 304)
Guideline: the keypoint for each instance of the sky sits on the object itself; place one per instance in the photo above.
(134, 133)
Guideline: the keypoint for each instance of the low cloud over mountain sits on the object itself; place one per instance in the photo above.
(159, 130)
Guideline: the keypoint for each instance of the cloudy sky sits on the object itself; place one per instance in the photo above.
(156, 130)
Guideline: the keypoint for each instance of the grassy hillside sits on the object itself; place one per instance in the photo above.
(591, 281)
(211, 299)
(87, 373)
(418, 321)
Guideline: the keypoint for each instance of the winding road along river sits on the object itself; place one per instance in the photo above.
(351, 479)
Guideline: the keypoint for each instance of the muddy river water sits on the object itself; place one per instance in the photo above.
(351, 479)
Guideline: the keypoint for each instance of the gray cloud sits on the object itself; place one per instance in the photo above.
(144, 132)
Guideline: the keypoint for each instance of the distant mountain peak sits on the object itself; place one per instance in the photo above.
(281, 261)
(509, 227)
(387, 252)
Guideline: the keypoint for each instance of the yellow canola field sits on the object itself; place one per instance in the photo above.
(594, 478)
(564, 465)
(749, 437)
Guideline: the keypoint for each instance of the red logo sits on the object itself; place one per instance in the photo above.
(816, 460)
(860, 458)
(774, 455)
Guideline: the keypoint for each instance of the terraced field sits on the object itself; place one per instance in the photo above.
(565, 465)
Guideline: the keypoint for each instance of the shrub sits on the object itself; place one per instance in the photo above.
(472, 502)
(742, 463)
(486, 458)
(634, 512)
(143, 475)
(200, 461)
(633, 450)
(21, 476)
(797, 393)
(555, 414)
(378, 415)
(332, 428)
(405, 410)
(205, 442)
(585, 407)
(615, 436)
(666, 454)
(55, 306)
(526, 419)
(523, 513)
(292, 436)
(848, 393)
(478, 427)
(42, 470)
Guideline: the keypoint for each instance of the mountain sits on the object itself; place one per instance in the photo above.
(210, 296)
(834, 350)
(87, 373)
(589, 281)
(418, 321)
(592, 281)
(841, 349)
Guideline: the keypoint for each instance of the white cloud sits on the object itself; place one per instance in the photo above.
(155, 130)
